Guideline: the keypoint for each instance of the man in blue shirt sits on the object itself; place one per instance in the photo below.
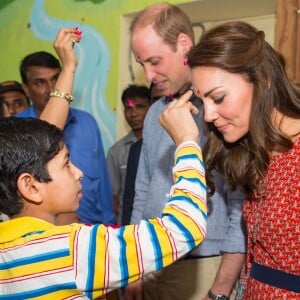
(39, 72)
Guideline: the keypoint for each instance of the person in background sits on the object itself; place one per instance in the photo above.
(132, 165)
(12, 98)
(212, 269)
(39, 72)
(252, 110)
(136, 102)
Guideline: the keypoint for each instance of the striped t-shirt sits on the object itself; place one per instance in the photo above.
(42, 261)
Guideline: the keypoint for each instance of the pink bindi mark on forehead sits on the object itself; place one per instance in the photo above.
(130, 102)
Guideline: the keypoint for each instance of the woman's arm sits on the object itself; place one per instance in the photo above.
(57, 108)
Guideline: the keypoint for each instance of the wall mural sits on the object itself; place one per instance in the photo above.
(31, 25)
(93, 1)
(93, 62)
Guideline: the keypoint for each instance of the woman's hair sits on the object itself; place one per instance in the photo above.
(167, 20)
(240, 48)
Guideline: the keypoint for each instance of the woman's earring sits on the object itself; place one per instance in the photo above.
(185, 62)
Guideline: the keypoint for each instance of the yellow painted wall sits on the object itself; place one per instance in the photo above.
(18, 40)
(98, 83)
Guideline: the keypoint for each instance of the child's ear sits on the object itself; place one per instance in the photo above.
(28, 187)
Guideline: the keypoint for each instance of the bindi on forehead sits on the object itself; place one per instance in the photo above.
(130, 102)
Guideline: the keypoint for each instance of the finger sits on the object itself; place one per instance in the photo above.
(68, 35)
(194, 110)
(185, 97)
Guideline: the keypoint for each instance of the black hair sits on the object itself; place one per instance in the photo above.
(26, 146)
(133, 91)
(40, 59)
(1, 107)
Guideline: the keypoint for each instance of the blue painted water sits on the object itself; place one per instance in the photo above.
(91, 74)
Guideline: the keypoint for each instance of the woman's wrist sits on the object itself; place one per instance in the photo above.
(70, 69)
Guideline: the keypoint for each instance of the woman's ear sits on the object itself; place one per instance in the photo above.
(28, 188)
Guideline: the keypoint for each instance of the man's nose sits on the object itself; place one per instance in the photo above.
(149, 73)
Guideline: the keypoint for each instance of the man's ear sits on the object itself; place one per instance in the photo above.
(29, 188)
(25, 89)
(184, 43)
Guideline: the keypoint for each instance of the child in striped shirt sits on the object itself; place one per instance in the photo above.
(38, 181)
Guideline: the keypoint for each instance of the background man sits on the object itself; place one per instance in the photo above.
(136, 101)
(12, 98)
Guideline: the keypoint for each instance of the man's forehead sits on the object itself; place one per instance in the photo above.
(41, 71)
(147, 44)
(146, 54)
(141, 57)
(12, 95)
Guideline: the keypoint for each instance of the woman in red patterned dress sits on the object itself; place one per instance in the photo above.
(253, 115)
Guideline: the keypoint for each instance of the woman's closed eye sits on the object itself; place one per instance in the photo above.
(219, 99)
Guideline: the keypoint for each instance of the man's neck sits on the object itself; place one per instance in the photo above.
(138, 134)
(182, 90)
(38, 111)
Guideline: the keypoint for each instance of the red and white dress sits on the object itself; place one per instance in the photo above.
(273, 225)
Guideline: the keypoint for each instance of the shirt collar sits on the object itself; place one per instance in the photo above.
(15, 228)
(131, 138)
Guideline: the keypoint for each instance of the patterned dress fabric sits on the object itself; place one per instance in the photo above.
(273, 224)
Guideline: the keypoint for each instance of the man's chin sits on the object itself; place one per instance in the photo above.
(164, 88)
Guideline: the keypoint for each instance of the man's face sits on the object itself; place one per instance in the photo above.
(135, 110)
(40, 82)
(14, 102)
(162, 65)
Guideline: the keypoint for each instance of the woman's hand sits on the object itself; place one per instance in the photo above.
(57, 109)
(64, 47)
(178, 121)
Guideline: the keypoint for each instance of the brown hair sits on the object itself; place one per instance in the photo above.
(238, 47)
(168, 22)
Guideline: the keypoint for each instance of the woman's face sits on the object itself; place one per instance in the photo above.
(227, 99)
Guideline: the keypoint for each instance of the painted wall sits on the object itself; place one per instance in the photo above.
(27, 26)
(31, 25)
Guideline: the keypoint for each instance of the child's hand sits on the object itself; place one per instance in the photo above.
(178, 121)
